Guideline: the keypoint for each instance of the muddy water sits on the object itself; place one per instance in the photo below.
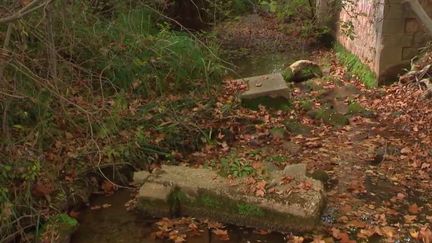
(116, 224)
(259, 64)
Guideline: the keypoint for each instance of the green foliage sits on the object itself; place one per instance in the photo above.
(237, 167)
(203, 12)
(356, 67)
(133, 51)
(288, 74)
(277, 159)
(60, 226)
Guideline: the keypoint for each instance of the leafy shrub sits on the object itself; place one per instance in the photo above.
(132, 51)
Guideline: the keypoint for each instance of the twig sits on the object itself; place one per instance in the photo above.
(3, 82)
(24, 11)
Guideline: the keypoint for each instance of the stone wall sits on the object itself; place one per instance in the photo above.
(365, 17)
(387, 34)
(401, 38)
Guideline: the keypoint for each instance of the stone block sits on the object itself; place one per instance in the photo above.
(268, 90)
(411, 25)
(393, 26)
(202, 193)
(154, 199)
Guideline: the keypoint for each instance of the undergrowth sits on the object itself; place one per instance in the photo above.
(355, 66)
(117, 91)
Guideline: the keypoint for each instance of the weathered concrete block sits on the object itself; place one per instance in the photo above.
(155, 199)
(202, 193)
(268, 90)
(141, 176)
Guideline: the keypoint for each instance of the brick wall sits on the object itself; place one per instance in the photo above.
(365, 16)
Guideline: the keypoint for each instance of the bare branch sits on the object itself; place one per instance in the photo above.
(29, 8)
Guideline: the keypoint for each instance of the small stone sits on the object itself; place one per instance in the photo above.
(292, 147)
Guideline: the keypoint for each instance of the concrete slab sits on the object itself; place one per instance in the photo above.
(202, 193)
(268, 90)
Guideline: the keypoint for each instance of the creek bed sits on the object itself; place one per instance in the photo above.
(116, 224)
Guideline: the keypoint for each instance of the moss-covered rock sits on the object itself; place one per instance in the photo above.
(59, 229)
(302, 70)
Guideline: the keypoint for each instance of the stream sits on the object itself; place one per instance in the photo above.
(116, 224)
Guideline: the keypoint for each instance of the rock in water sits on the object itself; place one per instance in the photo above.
(302, 70)
(202, 193)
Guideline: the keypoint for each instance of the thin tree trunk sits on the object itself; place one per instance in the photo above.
(51, 49)
(4, 84)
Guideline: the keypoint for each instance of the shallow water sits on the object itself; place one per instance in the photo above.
(260, 64)
(116, 224)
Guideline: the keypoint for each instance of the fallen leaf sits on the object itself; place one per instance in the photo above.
(336, 233)
(409, 219)
(297, 239)
(221, 234)
(406, 151)
(344, 238)
(414, 209)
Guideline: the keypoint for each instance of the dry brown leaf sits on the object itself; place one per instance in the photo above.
(221, 234)
(414, 209)
(409, 219)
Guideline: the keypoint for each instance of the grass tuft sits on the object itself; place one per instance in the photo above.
(355, 66)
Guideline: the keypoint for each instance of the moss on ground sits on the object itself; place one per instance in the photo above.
(355, 66)
(278, 103)
(330, 117)
(355, 108)
(296, 127)
(306, 105)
